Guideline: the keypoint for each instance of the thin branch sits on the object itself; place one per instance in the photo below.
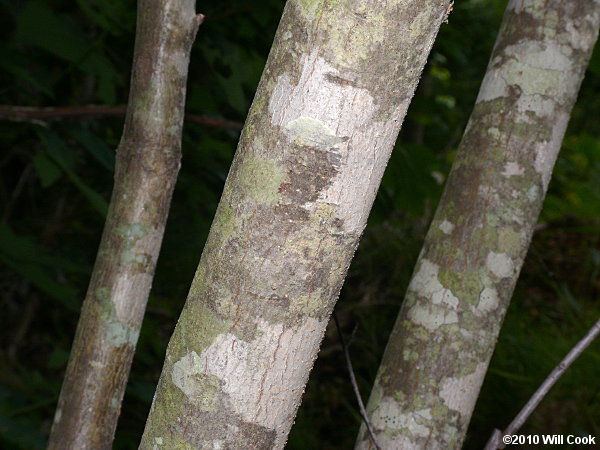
(361, 405)
(42, 115)
(536, 398)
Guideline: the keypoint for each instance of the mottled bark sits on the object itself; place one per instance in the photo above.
(324, 120)
(444, 337)
(148, 159)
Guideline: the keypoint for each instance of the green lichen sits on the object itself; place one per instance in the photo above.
(494, 133)
(309, 304)
(466, 285)
(118, 333)
(200, 388)
(510, 242)
(354, 39)
(131, 234)
(224, 221)
(410, 355)
(201, 327)
(492, 219)
(309, 8)
(102, 294)
(105, 305)
(259, 179)
(139, 259)
(306, 131)
(487, 236)
(538, 128)
(432, 317)
(533, 193)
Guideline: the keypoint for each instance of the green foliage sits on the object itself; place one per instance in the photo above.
(56, 179)
(574, 190)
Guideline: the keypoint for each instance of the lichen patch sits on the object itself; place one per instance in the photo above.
(488, 300)
(500, 264)
(118, 334)
(306, 131)
(426, 284)
(322, 108)
(189, 376)
(432, 316)
(389, 416)
(460, 393)
(446, 226)
(57, 415)
(261, 378)
(513, 169)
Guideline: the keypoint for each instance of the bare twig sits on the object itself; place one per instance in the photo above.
(495, 442)
(42, 115)
(361, 405)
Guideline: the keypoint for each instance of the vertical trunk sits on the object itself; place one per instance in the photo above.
(148, 160)
(327, 111)
(439, 350)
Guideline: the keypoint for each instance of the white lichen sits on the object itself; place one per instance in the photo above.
(460, 393)
(425, 284)
(389, 416)
(184, 374)
(532, 193)
(322, 108)
(446, 226)
(118, 334)
(431, 316)
(536, 69)
(314, 133)
(513, 169)
(500, 264)
(488, 300)
(494, 132)
(263, 379)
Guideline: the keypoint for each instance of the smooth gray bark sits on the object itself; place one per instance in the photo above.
(148, 159)
(439, 350)
(324, 120)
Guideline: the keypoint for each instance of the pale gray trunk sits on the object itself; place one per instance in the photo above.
(442, 342)
(147, 163)
(327, 111)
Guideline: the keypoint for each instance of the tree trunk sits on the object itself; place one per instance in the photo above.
(148, 159)
(327, 111)
(444, 337)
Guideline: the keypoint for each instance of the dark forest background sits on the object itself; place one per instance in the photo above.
(56, 179)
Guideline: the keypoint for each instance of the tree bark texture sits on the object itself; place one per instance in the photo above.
(327, 112)
(148, 159)
(439, 350)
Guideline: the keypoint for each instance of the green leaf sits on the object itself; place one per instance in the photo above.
(95, 146)
(57, 149)
(25, 249)
(409, 180)
(25, 257)
(64, 157)
(20, 433)
(58, 34)
(42, 280)
(18, 66)
(39, 26)
(48, 172)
